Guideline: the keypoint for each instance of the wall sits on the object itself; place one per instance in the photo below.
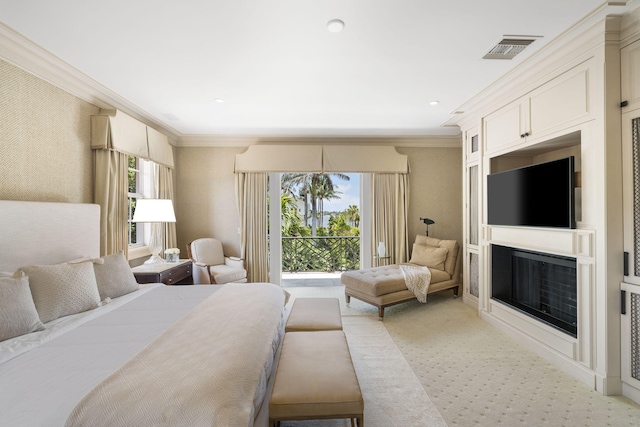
(206, 206)
(205, 196)
(45, 135)
(435, 191)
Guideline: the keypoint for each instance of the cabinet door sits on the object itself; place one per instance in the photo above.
(631, 194)
(630, 74)
(630, 335)
(506, 126)
(561, 103)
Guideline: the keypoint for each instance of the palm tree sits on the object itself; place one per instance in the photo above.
(353, 213)
(311, 186)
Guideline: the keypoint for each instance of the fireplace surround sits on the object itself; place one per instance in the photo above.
(541, 285)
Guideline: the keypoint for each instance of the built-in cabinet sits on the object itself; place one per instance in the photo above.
(473, 193)
(558, 104)
(630, 83)
(549, 119)
(630, 288)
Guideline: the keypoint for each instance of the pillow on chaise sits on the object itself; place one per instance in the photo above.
(114, 276)
(62, 289)
(18, 315)
(428, 256)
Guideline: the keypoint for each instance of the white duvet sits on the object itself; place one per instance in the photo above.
(45, 378)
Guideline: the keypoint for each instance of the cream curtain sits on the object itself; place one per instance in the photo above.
(111, 187)
(251, 198)
(390, 199)
(164, 179)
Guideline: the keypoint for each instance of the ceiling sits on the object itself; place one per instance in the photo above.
(278, 69)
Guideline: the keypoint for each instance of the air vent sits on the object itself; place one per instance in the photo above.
(509, 47)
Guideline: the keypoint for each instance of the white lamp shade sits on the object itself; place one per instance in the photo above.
(154, 210)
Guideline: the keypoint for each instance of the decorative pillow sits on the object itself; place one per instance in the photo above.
(428, 256)
(62, 289)
(114, 276)
(18, 315)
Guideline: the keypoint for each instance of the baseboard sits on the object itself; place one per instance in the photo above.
(571, 367)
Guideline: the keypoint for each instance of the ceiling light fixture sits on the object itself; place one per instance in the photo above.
(335, 26)
(219, 100)
(434, 103)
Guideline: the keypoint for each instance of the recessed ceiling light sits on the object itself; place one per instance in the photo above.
(335, 26)
(434, 103)
(219, 100)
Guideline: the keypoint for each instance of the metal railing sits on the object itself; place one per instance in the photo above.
(320, 254)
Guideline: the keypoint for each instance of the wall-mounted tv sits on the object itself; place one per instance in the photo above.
(540, 195)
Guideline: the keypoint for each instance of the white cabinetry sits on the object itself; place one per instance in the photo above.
(630, 84)
(507, 126)
(557, 105)
(472, 214)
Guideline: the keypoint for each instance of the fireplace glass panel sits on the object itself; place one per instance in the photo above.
(541, 285)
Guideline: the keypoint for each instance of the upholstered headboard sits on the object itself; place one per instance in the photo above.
(47, 233)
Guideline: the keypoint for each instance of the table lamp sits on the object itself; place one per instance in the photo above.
(157, 212)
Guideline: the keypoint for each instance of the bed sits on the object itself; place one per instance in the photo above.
(156, 355)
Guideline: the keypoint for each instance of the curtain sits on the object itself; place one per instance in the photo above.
(251, 199)
(164, 187)
(390, 199)
(111, 188)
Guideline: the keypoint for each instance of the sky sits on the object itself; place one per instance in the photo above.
(350, 193)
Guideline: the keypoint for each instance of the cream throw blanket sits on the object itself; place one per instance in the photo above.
(209, 368)
(417, 279)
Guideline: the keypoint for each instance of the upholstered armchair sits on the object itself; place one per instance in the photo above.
(210, 265)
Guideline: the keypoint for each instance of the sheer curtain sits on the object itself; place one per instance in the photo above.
(164, 179)
(390, 201)
(251, 198)
(111, 188)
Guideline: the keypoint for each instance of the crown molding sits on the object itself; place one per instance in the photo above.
(446, 141)
(31, 57)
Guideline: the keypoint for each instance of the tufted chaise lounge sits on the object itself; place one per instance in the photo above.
(385, 286)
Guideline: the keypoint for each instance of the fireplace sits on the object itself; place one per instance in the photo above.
(543, 286)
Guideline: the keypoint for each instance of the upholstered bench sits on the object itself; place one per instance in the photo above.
(314, 314)
(315, 379)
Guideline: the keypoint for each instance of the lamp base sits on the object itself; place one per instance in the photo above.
(155, 259)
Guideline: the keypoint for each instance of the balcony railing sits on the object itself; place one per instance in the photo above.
(326, 254)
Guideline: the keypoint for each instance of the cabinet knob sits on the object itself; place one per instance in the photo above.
(624, 104)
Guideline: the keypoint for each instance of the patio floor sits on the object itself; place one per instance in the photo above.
(310, 279)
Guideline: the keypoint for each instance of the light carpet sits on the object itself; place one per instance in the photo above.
(477, 376)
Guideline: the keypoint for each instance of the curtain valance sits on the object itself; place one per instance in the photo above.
(322, 158)
(115, 130)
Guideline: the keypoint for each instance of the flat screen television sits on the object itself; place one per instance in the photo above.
(540, 195)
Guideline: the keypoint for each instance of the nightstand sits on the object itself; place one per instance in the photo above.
(170, 273)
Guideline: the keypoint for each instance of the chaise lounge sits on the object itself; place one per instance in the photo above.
(385, 286)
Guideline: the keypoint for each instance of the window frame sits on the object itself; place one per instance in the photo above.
(143, 187)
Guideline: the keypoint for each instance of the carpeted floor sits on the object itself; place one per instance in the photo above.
(473, 374)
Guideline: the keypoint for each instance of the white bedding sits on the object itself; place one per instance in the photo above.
(40, 387)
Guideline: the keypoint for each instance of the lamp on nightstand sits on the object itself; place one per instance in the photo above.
(157, 212)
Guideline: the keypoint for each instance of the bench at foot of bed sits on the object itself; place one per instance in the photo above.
(315, 379)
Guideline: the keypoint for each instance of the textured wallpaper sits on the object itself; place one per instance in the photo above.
(45, 135)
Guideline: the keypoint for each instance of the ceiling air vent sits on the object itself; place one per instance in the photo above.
(509, 47)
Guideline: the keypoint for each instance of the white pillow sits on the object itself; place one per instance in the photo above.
(18, 315)
(62, 289)
(114, 276)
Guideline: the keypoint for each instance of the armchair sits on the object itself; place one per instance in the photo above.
(211, 266)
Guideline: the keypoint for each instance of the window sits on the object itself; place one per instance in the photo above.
(139, 187)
